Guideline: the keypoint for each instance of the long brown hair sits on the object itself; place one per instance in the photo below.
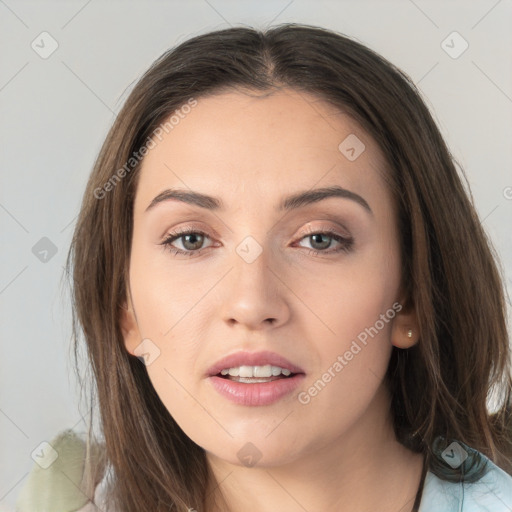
(439, 387)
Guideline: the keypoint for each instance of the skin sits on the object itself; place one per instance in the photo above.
(338, 452)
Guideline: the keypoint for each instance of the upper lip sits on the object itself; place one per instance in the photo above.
(252, 359)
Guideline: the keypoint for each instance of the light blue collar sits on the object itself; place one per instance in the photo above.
(491, 492)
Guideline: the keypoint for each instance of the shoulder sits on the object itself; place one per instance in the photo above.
(57, 480)
(490, 492)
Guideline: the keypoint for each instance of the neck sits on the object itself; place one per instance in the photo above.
(364, 469)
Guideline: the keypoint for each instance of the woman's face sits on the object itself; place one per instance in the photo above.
(291, 263)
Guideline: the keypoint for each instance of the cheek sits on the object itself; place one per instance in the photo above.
(175, 386)
(356, 339)
(351, 297)
(356, 304)
(168, 312)
(166, 296)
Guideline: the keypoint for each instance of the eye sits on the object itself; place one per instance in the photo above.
(328, 242)
(191, 242)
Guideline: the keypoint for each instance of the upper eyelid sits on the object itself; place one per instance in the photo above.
(176, 235)
(193, 229)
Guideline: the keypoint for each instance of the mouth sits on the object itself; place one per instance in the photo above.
(255, 379)
(255, 374)
(252, 365)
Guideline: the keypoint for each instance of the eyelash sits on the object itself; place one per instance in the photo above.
(346, 243)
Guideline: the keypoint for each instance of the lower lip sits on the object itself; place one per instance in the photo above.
(261, 393)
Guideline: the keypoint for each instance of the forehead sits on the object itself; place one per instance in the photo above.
(261, 144)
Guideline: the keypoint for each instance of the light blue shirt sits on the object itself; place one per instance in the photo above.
(492, 492)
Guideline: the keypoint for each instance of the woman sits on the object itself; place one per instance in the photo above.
(287, 298)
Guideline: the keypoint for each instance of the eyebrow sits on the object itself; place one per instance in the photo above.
(288, 203)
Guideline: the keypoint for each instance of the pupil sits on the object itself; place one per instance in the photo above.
(196, 241)
(320, 236)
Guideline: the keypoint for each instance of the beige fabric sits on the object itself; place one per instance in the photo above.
(57, 481)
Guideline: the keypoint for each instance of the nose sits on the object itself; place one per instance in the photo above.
(255, 294)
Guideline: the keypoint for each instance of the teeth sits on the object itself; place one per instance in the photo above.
(251, 380)
(245, 371)
(256, 371)
(261, 371)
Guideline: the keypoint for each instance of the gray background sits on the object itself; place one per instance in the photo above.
(56, 111)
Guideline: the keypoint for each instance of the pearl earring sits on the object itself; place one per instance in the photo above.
(409, 333)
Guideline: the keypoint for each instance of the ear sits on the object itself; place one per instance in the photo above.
(129, 327)
(405, 330)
